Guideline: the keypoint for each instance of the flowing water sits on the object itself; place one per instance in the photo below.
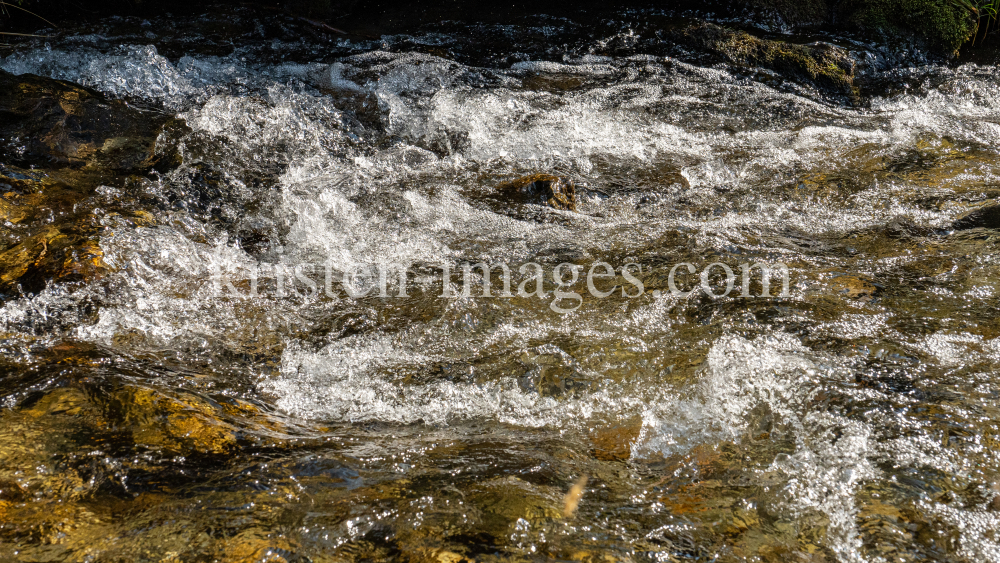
(148, 417)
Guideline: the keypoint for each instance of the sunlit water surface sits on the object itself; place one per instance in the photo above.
(149, 418)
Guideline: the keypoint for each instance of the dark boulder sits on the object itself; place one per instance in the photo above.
(54, 124)
(983, 218)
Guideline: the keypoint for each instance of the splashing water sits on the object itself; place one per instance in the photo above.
(853, 420)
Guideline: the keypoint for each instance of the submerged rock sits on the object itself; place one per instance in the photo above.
(54, 123)
(854, 287)
(165, 423)
(10, 491)
(59, 142)
(614, 442)
(51, 255)
(827, 66)
(983, 218)
(542, 189)
(503, 501)
(55, 235)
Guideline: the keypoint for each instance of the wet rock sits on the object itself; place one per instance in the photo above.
(50, 256)
(179, 427)
(853, 287)
(53, 123)
(548, 82)
(614, 442)
(944, 26)
(983, 218)
(43, 251)
(541, 189)
(59, 142)
(10, 491)
(827, 66)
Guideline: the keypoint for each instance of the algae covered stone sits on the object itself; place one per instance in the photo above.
(827, 66)
(982, 218)
(945, 26)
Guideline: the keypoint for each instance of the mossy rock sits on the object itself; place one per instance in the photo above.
(943, 25)
(826, 66)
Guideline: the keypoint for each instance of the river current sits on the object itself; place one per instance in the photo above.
(147, 416)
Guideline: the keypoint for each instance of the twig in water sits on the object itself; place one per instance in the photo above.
(323, 25)
(23, 34)
(5, 4)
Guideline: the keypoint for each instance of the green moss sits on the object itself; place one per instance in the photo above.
(941, 23)
(826, 66)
